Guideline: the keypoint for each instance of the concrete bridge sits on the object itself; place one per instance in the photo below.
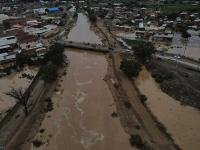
(86, 46)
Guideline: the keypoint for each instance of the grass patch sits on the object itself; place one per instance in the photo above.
(132, 42)
(177, 8)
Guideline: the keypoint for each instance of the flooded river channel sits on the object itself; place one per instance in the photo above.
(182, 122)
(81, 118)
(82, 32)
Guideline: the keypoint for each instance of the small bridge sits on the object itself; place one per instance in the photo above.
(86, 46)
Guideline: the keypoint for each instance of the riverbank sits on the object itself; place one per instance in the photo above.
(137, 119)
(181, 122)
(178, 82)
(32, 123)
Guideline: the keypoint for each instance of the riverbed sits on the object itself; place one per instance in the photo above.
(182, 122)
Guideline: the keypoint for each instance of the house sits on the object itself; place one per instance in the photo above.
(39, 11)
(163, 37)
(33, 23)
(7, 60)
(53, 10)
(45, 31)
(28, 44)
(8, 41)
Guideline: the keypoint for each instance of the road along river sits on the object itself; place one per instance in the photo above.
(81, 118)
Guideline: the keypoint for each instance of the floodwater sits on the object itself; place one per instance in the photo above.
(189, 48)
(82, 33)
(182, 122)
(81, 118)
(14, 80)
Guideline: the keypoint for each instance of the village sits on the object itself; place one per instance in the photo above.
(26, 31)
(62, 49)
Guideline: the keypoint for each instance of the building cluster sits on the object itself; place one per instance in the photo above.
(27, 33)
(146, 22)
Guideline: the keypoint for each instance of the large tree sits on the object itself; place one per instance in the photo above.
(49, 72)
(130, 67)
(54, 54)
(21, 96)
(143, 51)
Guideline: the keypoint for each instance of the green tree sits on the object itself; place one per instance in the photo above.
(185, 34)
(54, 54)
(49, 72)
(130, 67)
(91, 14)
(143, 51)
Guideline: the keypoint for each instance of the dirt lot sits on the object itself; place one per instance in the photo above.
(180, 83)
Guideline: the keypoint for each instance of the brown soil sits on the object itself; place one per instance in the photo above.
(184, 84)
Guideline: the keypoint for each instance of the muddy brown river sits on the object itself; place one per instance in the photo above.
(81, 118)
(182, 122)
(82, 32)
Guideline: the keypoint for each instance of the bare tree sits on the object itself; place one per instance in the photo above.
(21, 96)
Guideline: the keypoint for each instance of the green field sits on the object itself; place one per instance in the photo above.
(177, 8)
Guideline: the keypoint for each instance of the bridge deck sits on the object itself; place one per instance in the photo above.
(85, 46)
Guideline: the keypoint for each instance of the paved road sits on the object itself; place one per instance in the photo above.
(187, 63)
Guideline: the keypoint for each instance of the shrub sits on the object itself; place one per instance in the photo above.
(54, 54)
(37, 143)
(143, 98)
(162, 76)
(49, 72)
(114, 114)
(136, 141)
(42, 130)
(127, 104)
(130, 67)
(49, 106)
